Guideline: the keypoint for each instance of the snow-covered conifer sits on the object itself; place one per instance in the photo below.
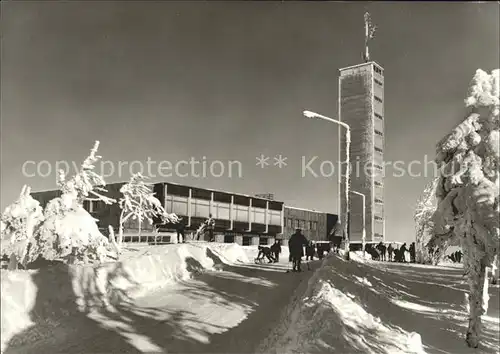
(69, 231)
(468, 191)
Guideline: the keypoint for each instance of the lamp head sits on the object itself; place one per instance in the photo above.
(309, 114)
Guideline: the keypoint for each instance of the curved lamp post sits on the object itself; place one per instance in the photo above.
(310, 114)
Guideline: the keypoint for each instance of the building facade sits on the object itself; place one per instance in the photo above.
(243, 219)
(246, 220)
(315, 225)
(361, 106)
(239, 218)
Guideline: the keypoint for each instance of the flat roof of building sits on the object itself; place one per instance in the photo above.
(182, 185)
(304, 209)
(220, 191)
(362, 64)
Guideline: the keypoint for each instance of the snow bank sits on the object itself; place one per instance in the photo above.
(330, 318)
(231, 252)
(45, 296)
(369, 307)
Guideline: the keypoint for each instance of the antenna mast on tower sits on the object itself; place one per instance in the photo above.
(369, 34)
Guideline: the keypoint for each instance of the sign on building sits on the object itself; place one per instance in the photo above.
(268, 196)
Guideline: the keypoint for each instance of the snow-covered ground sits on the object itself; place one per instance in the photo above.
(202, 292)
(374, 307)
(213, 298)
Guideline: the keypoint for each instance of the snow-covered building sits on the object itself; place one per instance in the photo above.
(361, 106)
(244, 219)
(240, 218)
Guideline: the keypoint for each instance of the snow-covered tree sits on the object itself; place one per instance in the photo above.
(426, 206)
(69, 232)
(468, 191)
(139, 203)
(20, 221)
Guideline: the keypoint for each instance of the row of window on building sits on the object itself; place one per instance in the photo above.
(301, 224)
(219, 210)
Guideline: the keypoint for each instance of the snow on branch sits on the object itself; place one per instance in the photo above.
(69, 231)
(86, 183)
(426, 206)
(468, 191)
(139, 203)
(19, 222)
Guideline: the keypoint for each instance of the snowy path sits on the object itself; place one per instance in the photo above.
(227, 311)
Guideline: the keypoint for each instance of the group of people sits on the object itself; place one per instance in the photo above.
(271, 253)
(390, 253)
(296, 245)
(455, 257)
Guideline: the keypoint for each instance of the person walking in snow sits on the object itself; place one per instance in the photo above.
(402, 253)
(296, 246)
(412, 253)
(276, 250)
(180, 227)
(310, 251)
(320, 250)
(397, 255)
(208, 227)
(390, 252)
(381, 250)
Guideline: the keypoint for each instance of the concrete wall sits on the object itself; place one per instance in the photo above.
(357, 109)
(293, 214)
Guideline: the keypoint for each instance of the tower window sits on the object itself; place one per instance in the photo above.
(378, 167)
(378, 116)
(377, 69)
(378, 82)
(377, 99)
(379, 133)
(378, 218)
(379, 201)
(377, 183)
(377, 149)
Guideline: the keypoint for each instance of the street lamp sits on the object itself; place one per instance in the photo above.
(310, 114)
(363, 237)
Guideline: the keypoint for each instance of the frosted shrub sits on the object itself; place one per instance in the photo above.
(468, 191)
(20, 221)
(69, 232)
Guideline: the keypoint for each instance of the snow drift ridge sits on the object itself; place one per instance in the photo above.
(73, 289)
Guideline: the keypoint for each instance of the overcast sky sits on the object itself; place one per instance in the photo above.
(228, 80)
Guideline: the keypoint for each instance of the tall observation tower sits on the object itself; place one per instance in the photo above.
(361, 106)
